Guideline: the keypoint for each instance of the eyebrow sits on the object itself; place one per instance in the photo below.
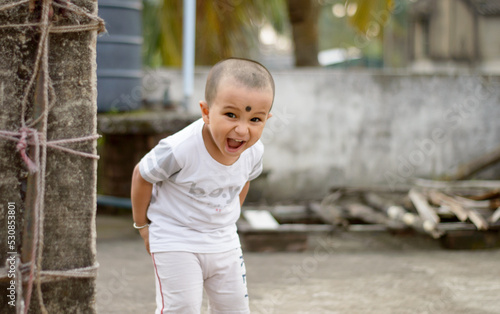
(261, 112)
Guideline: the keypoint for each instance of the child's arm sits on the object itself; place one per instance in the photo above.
(244, 192)
(141, 196)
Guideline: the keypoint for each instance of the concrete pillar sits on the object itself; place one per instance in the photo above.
(70, 180)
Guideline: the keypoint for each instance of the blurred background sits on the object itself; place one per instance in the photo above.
(371, 97)
(448, 34)
(369, 92)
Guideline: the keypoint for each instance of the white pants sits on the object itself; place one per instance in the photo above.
(181, 277)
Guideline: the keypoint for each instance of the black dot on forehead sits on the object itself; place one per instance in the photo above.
(248, 108)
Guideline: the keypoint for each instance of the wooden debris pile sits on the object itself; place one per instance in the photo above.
(453, 211)
(458, 205)
(432, 207)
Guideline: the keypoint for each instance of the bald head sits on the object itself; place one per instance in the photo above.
(249, 73)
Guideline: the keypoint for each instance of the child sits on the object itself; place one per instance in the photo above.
(184, 192)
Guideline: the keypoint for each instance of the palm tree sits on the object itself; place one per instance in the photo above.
(304, 19)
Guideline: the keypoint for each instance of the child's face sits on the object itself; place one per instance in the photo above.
(235, 120)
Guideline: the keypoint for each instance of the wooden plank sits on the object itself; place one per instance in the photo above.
(423, 207)
(367, 228)
(398, 213)
(427, 213)
(295, 214)
(441, 198)
(384, 205)
(375, 200)
(445, 212)
(365, 213)
(485, 196)
(328, 212)
(465, 202)
(456, 226)
(316, 208)
(401, 189)
(305, 228)
(287, 228)
(477, 220)
(495, 217)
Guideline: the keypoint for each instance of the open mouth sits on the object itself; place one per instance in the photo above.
(233, 144)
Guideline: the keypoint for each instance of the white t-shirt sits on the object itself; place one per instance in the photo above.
(195, 201)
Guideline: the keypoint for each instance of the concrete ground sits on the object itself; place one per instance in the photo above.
(341, 273)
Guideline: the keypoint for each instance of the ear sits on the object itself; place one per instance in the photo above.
(205, 111)
(269, 115)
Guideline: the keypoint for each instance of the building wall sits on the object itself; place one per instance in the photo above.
(458, 37)
(339, 128)
(451, 32)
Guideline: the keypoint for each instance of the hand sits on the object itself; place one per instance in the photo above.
(144, 232)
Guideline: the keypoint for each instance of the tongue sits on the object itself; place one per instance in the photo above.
(233, 144)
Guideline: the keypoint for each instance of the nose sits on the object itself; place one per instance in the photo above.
(241, 128)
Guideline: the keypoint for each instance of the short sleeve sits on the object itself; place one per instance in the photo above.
(257, 156)
(159, 164)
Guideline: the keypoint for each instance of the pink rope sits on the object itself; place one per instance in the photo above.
(21, 148)
(26, 136)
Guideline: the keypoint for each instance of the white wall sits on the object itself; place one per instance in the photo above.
(333, 128)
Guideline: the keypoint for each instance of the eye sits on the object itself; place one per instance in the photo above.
(256, 119)
(230, 115)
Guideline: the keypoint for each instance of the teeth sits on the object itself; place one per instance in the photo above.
(239, 141)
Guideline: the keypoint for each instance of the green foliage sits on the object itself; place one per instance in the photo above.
(370, 15)
(224, 28)
(365, 30)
